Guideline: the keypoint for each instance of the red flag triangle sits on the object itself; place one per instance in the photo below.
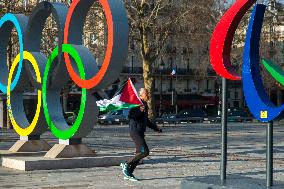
(129, 94)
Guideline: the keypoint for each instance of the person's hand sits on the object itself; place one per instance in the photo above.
(142, 108)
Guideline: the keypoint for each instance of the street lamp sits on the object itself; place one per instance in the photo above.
(25, 4)
(162, 64)
(218, 95)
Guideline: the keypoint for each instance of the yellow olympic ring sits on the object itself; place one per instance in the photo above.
(24, 131)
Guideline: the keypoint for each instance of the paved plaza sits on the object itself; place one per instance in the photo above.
(184, 152)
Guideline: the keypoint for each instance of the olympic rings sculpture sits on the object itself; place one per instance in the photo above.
(49, 74)
(220, 47)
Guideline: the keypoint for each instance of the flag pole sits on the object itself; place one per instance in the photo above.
(176, 91)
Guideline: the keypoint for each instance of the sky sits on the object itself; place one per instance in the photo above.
(260, 1)
(229, 2)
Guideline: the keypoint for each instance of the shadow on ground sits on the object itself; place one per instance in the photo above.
(234, 181)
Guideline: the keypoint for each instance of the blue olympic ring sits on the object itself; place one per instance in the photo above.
(14, 20)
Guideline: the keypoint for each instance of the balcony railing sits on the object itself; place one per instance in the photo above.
(179, 71)
(166, 71)
(134, 70)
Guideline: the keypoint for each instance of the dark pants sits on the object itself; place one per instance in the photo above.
(142, 151)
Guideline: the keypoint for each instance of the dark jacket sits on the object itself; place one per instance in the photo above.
(139, 120)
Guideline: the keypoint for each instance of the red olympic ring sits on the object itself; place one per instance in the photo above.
(222, 38)
(90, 83)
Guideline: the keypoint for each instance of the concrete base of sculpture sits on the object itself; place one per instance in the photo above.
(42, 163)
(7, 153)
(30, 146)
(69, 151)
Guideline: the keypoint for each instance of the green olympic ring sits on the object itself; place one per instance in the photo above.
(64, 134)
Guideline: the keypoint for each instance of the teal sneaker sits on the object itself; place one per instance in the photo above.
(125, 169)
(126, 178)
(133, 178)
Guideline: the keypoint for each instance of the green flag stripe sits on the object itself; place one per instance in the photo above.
(115, 108)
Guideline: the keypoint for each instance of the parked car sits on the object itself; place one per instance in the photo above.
(212, 119)
(167, 119)
(114, 117)
(239, 116)
(191, 116)
(161, 119)
(235, 115)
(171, 119)
(70, 117)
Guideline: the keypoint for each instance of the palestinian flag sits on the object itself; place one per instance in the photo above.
(125, 97)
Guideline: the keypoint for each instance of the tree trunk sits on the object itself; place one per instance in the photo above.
(9, 125)
(9, 60)
(279, 97)
(149, 85)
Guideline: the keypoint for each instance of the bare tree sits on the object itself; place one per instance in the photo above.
(154, 22)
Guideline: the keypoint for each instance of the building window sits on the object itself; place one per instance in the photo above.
(236, 95)
(236, 104)
(187, 84)
(170, 62)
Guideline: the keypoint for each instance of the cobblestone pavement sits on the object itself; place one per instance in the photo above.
(188, 152)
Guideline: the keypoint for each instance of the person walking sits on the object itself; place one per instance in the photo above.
(138, 121)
